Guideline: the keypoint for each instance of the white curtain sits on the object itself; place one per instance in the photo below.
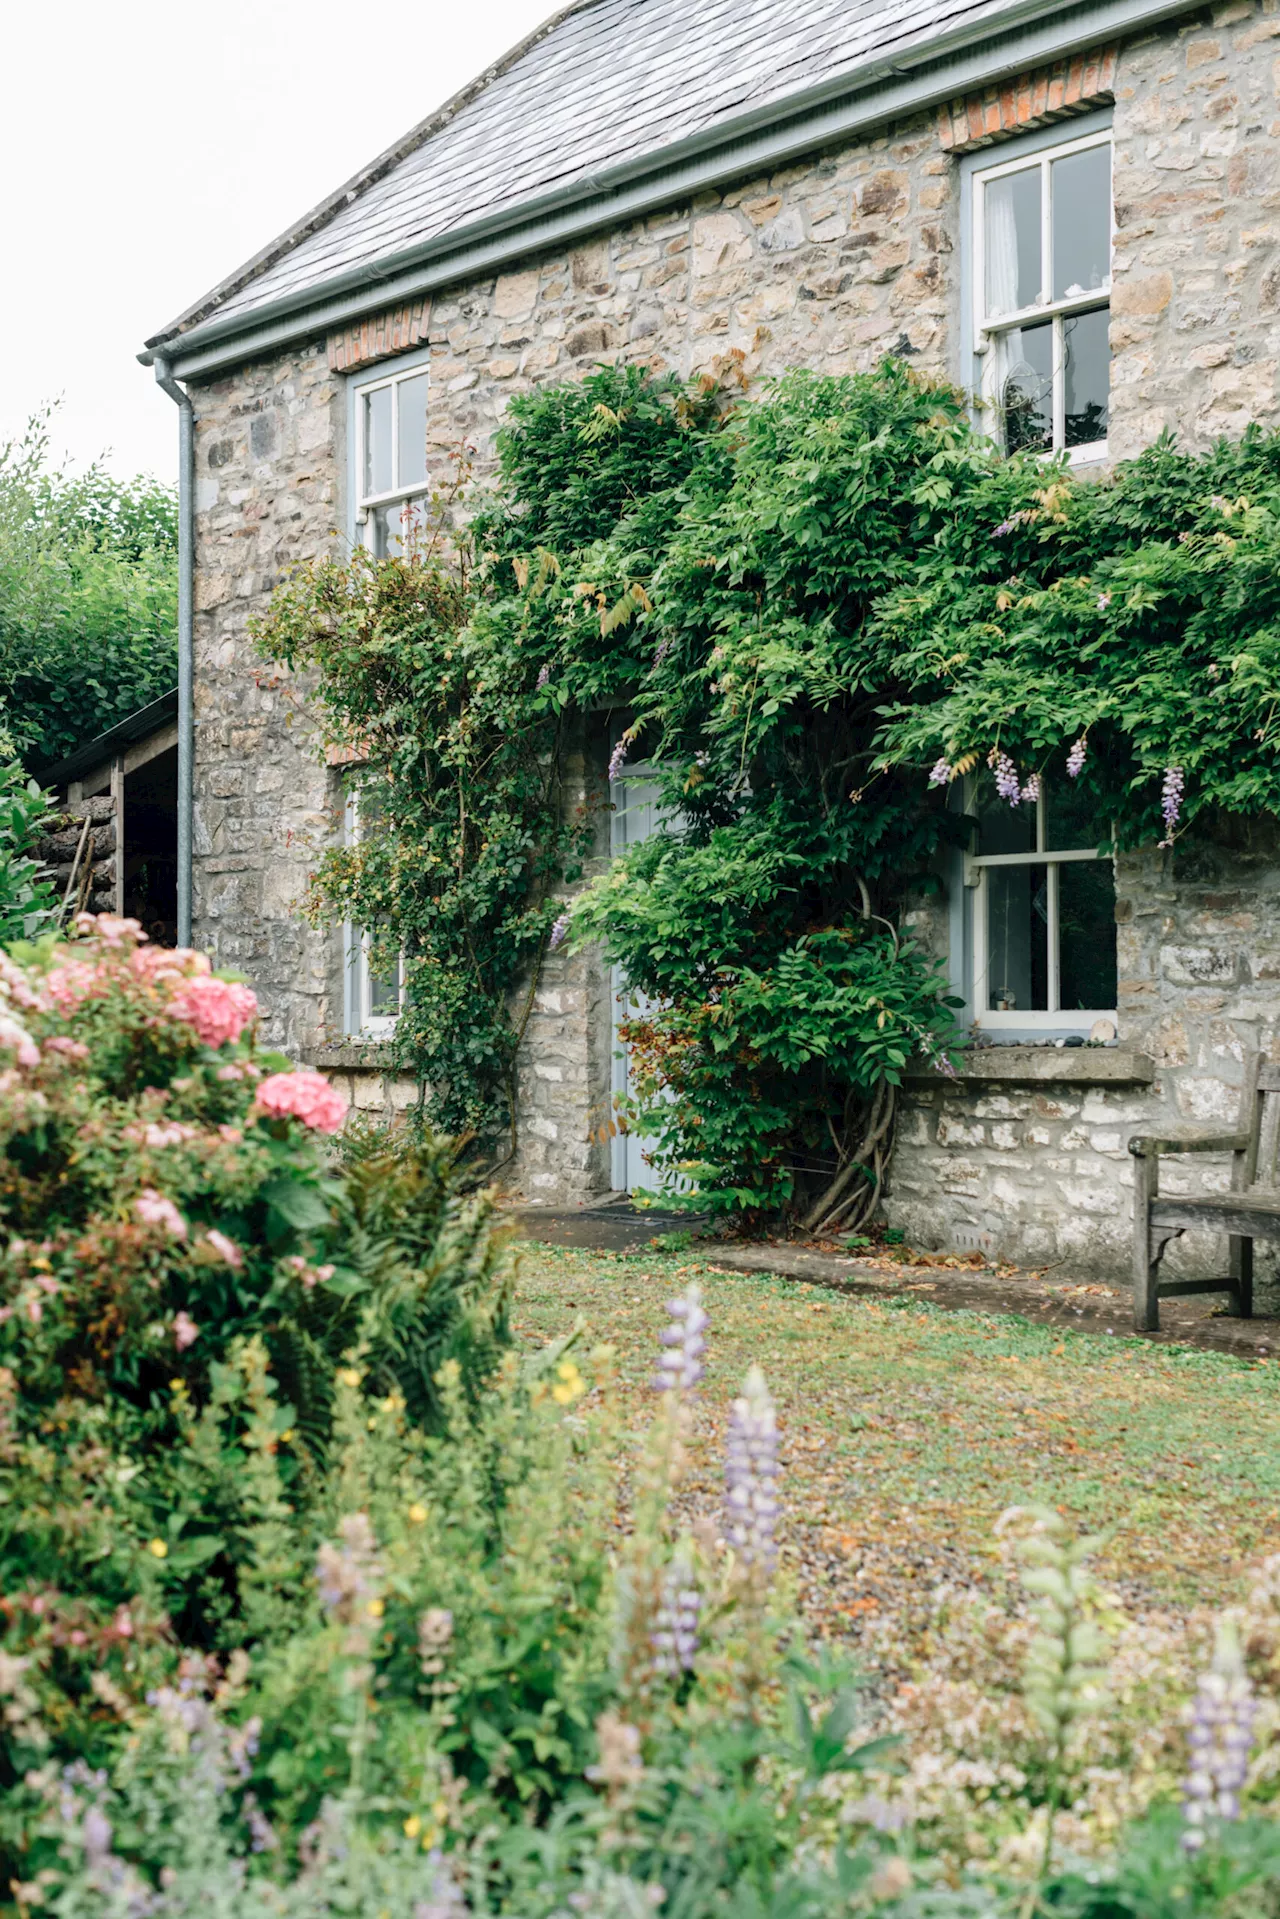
(1002, 282)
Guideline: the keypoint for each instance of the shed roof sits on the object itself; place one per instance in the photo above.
(602, 82)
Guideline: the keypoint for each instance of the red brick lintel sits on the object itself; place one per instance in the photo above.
(1032, 100)
(378, 337)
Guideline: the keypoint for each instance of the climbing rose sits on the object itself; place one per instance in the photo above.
(153, 1209)
(306, 1096)
(218, 1009)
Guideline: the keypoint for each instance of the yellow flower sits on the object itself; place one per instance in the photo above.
(159, 1548)
(349, 1376)
(431, 1837)
(376, 1609)
(286, 1436)
(440, 1813)
(571, 1386)
(418, 1514)
(412, 1826)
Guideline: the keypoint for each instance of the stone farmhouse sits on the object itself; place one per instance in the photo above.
(1071, 207)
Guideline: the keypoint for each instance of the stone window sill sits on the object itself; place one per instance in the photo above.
(1042, 1066)
(369, 1055)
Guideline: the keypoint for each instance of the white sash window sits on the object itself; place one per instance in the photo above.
(1039, 291)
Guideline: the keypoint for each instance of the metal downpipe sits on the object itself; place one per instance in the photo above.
(186, 635)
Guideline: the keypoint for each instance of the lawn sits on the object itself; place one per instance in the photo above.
(907, 1430)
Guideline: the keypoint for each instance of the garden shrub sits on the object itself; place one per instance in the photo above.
(28, 902)
(187, 1259)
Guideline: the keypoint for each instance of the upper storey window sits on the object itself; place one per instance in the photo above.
(390, 458)
(1041, 286)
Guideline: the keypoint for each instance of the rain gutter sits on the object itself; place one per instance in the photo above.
(1017, 37)
(186, 634)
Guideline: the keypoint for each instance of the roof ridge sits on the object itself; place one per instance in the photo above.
(367, 176)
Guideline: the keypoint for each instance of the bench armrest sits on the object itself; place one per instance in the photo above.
(1148, 1146)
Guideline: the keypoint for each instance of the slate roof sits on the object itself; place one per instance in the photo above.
(605, 81)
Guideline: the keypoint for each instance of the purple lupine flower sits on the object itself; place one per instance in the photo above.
(262, 1834)
(1075, 759)
(1220, 1737)
(559, 932)
(544, 674)
(675, 1628)
(444, 1900)
(1008, 785)
(618, 759)
(941, 774)
(680, 1361)
(1171, 801)
(1031, 791)
(750, 1473)
(96, 1835)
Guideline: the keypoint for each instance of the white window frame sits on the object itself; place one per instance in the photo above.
(985, 333)
(365, 506)
(1052, 1019)
(360, 1020)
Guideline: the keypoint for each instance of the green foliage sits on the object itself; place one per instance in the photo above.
(27, 897)
(793, 609)
(88, 597)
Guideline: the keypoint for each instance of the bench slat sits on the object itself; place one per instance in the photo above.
(1244, 1213)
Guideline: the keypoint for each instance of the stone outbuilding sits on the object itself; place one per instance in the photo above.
(1072, 210)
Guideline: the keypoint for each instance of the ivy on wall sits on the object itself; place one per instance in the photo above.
(817, 609)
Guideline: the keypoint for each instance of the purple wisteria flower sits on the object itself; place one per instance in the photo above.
(680, 1361)
(618, 759)
(675, 1628)
(750, 1474)
(544, 674)
(1171, 801)
(559, 932)
(940, 774)
(1221, 1738)
(1075, 759)
(661, 650)
(1008, 785)
(1005, 526)
(1104, 601)
(1031, 791)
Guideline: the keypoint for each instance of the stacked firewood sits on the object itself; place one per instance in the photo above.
(78, 846)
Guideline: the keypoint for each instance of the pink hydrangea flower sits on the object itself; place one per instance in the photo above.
(225, 1248)
(19, 1041)
(170, 1132)
(154, 1209)
(72, 1048)
(74, 981)
(185, 1331)
(232, 1134)
(110, 930)
(305, 1096)
(218, 1009)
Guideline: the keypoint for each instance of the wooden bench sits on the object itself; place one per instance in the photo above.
(1251, 1210)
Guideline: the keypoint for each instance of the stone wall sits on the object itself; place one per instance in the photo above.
(828, 263)
(1026, 1156)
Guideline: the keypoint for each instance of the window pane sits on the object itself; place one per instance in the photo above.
(377, 441)
(384, 991)
(1087, 366)
(1012, 242)
(411, 399)
(1087, 936)
(1080, 197)
(1017, 939)
(1003, 828)
(1069, 819)
(1026, 392)
(395, 528)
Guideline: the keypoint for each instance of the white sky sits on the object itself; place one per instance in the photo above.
(148, 150)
